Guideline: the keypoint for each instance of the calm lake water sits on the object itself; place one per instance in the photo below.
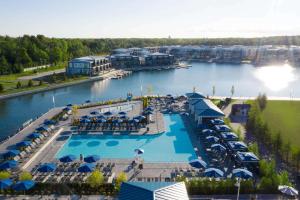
(276, 81)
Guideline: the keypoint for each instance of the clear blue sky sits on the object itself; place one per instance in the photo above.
(151, 18)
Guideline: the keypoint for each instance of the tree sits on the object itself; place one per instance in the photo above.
(277, 143)
(1, 87)
(213, 90)
(232, 90)
(19, 85)
(262, 101)
(96, 179)
(30, 83)
(254, 148)
(40, 82)
(24, 176)
(4, 66)
(121, 178)
(4, 175)
(286, 150)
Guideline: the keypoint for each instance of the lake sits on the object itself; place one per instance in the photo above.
(275, 81)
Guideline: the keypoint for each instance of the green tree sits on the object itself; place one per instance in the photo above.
(1, 87)
(4, 175)
(30, 83)
(40, 82)
(4, 66)
(254, 148)
(96, 179)
(19, 85)
(25, 176)
(277, 142)
(120, 179)
(286, 150)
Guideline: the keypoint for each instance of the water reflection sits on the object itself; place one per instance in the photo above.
(276, 77)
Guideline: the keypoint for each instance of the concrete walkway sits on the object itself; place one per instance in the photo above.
(42, 74)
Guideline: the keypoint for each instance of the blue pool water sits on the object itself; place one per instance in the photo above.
(172, 146)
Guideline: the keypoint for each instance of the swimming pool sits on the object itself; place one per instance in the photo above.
(172, 146)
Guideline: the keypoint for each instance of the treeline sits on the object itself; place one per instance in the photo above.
(27, 51)
(272, 140)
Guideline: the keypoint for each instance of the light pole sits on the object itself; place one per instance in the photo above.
(238, 185)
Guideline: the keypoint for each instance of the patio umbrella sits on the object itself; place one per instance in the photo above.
(67, 158)
(218, 147)
(149, 109)
(67, 109)
(122, 113)
(148, 112)
(108, 113)
(217, 122)
(242, 173)
(222, 128)
(91, 158)
(213, 173)
(86, 167)
(88, 101)
(70, 105)
(116, 121)
(197, 163)
(212, 139)
(208, 131)
(238, 145)
(101, 120)
(34, 135)
(23, 185)
(23, 144)
(49, 122)
(47, 167)
(140, 117)
(288, 190)
(95, 112)
(229, 136)
(136, 120)
(11, 153)
(85, 117)
(9, 164)
(123, 117)
(85, 121)
(5, 183)
(169, 95)
(139, 151)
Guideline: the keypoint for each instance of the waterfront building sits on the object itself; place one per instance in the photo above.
(271, 55)
(153, 191)
(124, 61)
(120, 51)
(294, 55)
(89, 65)
(233, 54)
(158, 59)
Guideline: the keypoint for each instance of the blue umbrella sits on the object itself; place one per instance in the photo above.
(242, 173)
(85, 117)
(222, 128)
(88, 101)
(218, 147)
(229, 136)
(67, 158)
(116, 121)
(47, 167)
(136, 120)
(197, 163)
(123, 117)
(11, 153)
(92, 158)
(100, 117)
(208, 131)
(49, 122)
(213, 173)
(67, 109)
(212, 139)
(139, 151)
(147, 112)
(217, 122)
(5, 183)
(86, 167)
(108, 113)
(23, 144)
(122, 113)
(95, 112)
(70, 105)
(85, 120)
(101, 120)
(23, 185)
(140, 117)
(34, 135)
(9, 164)
(149, 109)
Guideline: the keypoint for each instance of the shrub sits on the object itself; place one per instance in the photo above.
(96, 179)
(4, 175)
(24, 176)
(120, 179)
(30, 83)
(1, 88)
(19, 85)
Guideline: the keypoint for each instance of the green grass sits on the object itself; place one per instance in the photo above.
(284, 116)
(10, 81)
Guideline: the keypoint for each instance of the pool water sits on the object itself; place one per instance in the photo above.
(173, 145)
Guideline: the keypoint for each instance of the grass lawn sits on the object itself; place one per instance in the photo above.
(9, 82)
(285, 117)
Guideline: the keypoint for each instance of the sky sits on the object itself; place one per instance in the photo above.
(149, 18)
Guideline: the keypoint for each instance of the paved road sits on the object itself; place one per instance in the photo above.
(39, 75)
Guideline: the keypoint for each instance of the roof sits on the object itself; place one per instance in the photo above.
(152, 190)
(195, 95)
(205, 107)
(88, 59)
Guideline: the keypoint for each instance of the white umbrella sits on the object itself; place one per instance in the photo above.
(288, 190)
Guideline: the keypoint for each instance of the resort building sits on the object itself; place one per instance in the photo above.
(153, 191)
(156, 59)
(233, 54)
(271, 55)
(89, 65)
(202, 109)
(124, 61)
